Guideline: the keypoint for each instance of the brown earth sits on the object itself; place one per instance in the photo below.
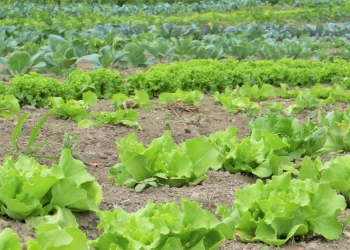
(98, 146)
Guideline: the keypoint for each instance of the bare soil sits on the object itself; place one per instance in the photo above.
(98, 146)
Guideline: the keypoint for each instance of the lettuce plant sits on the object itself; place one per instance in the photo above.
(77, 110)
(261, 153)
(29, 189)
(161, 226)
(282, 208)
(258, 94)
(171, 164)
(120, 116)
(34, 89)
(139, 100)
(301, 139)
(192, 98)
(235, 103)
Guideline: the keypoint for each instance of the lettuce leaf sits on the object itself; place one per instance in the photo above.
(28, 189)
(9, 240)
(171, 164)
(161, 226)
(51, 236)
(282, 208)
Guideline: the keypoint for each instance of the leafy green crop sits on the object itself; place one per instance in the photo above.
(171, 164)
(62, 55)
(120, 116)
(258, 94)
(235, 103)
(103, 82)
(29, 189)
(261, 153)
(192, 98)
(21, 63)
(139, 100)
(34, 89)
(73, 109)
(8, 106)
(282, 208)
(161, 226)
(107, 58)
(301, 139)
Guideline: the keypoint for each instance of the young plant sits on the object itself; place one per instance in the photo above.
(303, 102)
(62, 55)
(234, 103)
(30, 149)
(107, 57)
(257, 94)
(70, 142)
(192, 98)
(139, 100)
(120, 116)
(77, 110)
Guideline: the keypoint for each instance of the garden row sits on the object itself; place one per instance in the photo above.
(87, 19)
(37, 10)
(207, 76)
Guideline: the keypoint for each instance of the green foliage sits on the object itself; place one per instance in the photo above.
(139, 100)
(62, 55)
(192, 98)
(34, 89)
(305, 139)
(282, 208)
(107, 58)
(335, 172)
(161, 226)
(103, 82)
(77, 110)
(29, 189)
(304, 101)
(259, 154)
(9, 240)
(51, 236)
(120, 116)
(136, 56)
(338, 127)
(107, 83)
(171, 164)
(2, 88)
(235, 103)
(30, 149)
(211, 75)
(255, 93)
(21, 62)
(8, 106)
